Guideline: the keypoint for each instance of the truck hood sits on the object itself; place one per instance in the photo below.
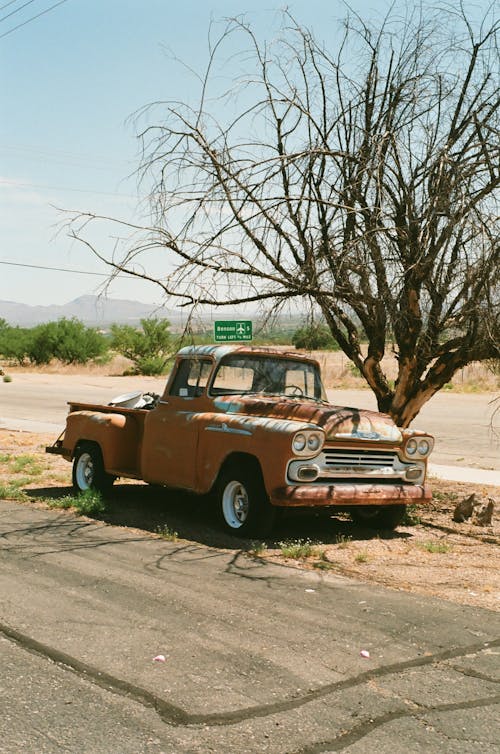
(338, 422)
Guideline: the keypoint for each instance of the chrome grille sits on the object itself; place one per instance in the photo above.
(360, 464)
(346, 457)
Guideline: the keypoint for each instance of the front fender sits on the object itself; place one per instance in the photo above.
(267, 440)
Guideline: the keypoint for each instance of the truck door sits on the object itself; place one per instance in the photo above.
(171, 432)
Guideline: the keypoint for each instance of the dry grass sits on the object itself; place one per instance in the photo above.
(337, 371)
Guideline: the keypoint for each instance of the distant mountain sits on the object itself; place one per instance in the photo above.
(94, 311)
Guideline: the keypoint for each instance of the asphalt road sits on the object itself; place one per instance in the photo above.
(460, 423)
(258, 657)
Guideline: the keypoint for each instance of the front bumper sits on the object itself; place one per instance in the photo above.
(345, 495)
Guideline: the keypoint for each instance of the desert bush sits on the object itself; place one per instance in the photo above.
(149, 349)
(68, 340)
(78, 344)
(314, 337)
(14, 342)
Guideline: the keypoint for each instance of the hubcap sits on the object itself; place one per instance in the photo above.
(235, 504)
(85, 471)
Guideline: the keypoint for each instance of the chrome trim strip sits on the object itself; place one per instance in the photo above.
(228, 430)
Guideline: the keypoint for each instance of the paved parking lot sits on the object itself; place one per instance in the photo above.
(257, 657)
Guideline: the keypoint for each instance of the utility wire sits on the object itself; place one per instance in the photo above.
(228, 286)
(13, 12)
(56, 269)
(59, 154)
(7, 4)
(15, 185)
(32, 18)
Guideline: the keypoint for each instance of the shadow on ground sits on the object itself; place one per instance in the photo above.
(192, 517)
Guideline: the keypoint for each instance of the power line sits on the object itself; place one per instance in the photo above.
(32, 18)
(228, 286)
(13, 12)
(14, 184)
(56, 269)
(7, 4)
(81, 157)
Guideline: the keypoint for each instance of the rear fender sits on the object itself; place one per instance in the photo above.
(116, 435)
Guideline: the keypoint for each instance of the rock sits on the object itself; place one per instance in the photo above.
(485, 513)
(464, 509)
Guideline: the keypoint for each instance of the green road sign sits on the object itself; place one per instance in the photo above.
(233, 330)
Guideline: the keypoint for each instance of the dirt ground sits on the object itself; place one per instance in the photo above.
(430, 554)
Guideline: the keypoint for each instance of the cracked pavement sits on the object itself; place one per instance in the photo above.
(258, 657)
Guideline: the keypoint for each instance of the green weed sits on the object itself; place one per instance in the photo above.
(361, 557)
(7, 378)
(410, 518)
(342, 541)
(87, 503)
(5, 457)
(12, 491)
(165, 532)
(298, 549)
(90, 503)
(258, 548)
(68, 501)
(25, 464)
(435, 547)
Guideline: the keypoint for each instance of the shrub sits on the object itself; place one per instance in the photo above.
(314, 337)
(78, 344)
(151, 365)
(149, 349)
(14, 342)
(68, 340)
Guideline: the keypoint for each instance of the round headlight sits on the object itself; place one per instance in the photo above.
(313, 442)
(299, 442)
(423, 447)
(411, 447)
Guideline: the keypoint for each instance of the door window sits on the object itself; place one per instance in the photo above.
(191, 378)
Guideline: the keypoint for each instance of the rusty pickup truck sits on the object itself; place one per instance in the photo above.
(253, 427)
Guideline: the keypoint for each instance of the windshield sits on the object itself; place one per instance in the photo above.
(264, 374)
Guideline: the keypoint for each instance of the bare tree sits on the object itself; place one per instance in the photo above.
(361, 180)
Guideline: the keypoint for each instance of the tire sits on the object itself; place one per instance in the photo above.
(379, 517)
(88, 470)
(244, 506)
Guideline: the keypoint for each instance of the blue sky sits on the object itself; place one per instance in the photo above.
(69, 81)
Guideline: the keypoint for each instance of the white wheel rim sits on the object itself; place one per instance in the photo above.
(235, 504)
(85, 471)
